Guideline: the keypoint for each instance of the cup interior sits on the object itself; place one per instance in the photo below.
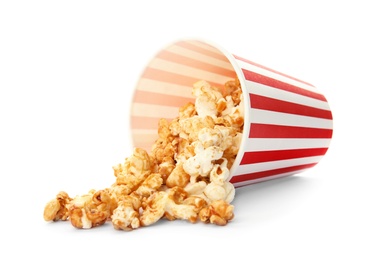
(166, 84)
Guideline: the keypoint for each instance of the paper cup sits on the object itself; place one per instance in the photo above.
(288, 122)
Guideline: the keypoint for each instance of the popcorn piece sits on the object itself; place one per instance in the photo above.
(233, 89)
(228, 107)
(118, 192)
(197, 202)
(230, 191)
(236, 116)
(57, 209)
(178, 207)
(90, 210)
(172, 205)
(135, 169)
(166, 167)
(181, 211)
(154, 208)
(126, 215)
(150, 185)
(215, 192)
(218, 212)
(207, 98)
(210, 137)
(202, 162)
(163, 129)
(188, 110)
(188, 128)
(226, 136)
(178, 177)
(187, 152)
(220, 172)
(163, 145)
(195, 188)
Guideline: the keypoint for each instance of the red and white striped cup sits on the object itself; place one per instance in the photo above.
(288, 122)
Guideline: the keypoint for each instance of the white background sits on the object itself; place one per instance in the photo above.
(67, 73)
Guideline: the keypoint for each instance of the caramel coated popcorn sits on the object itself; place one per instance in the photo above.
(184, 176)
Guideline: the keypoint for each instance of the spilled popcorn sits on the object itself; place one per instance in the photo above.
(184, 176)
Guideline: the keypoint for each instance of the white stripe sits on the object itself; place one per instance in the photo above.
(264, 90)
(165, 88)
(205, 46)
(266, 166)
(155, 111)
(267, 144)
(148, 148)
(278, 118)
(199, 56)
(244, 183)
(144, 136)
(188, 71)
(144, 140)
(276, 76)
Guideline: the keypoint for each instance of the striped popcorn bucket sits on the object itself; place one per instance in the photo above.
(288, 122)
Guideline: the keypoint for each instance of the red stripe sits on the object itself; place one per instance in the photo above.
(277, 155)
(268, 173)
(282, 131)
(274, 83)
(274, 71)
(142, 122)
(276, 105)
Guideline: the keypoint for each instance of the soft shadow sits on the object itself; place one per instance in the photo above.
(272, 198)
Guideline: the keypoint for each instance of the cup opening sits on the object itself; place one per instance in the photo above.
(166, 83)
